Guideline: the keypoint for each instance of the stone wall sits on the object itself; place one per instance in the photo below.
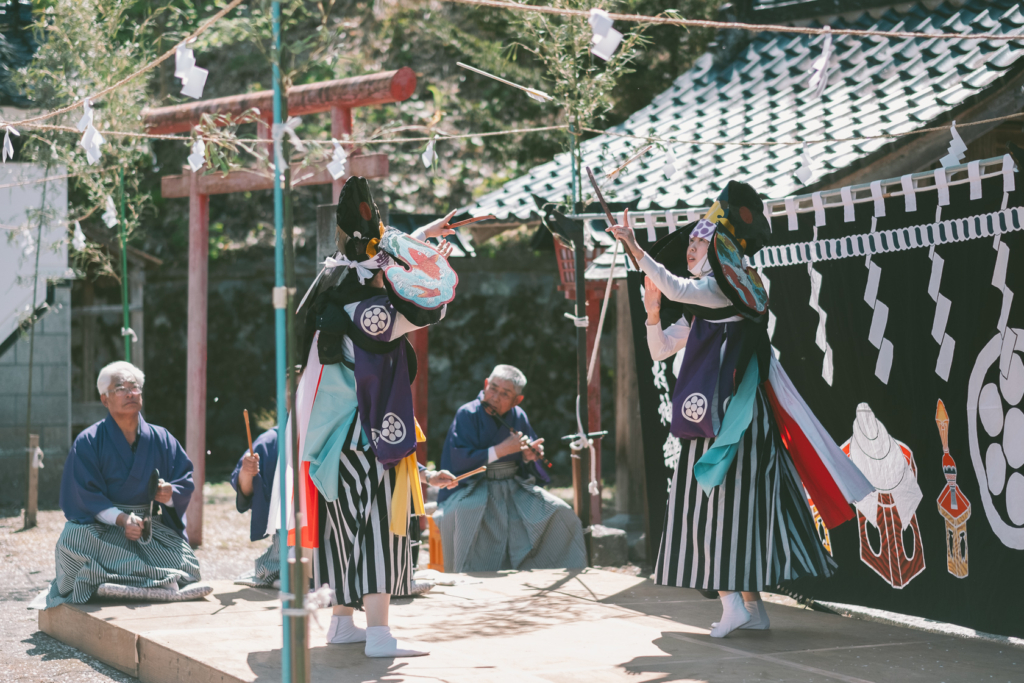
(51, 404)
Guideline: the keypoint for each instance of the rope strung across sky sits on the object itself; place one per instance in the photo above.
(736, 25)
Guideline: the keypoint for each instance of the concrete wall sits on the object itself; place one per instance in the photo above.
(51, 404)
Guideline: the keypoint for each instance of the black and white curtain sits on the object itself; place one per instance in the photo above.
(895, 317)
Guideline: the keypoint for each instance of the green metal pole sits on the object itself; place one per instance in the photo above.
(124, 274)
(280, 339)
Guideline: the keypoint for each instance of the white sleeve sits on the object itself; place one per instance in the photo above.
(109, 516)
(492, 455)
(418, 233)
(667, 342)
(700, 292)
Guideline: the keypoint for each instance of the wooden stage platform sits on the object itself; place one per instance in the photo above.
(527, 627)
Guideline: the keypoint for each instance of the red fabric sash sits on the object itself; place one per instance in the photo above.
(310, 499)
(824, 492)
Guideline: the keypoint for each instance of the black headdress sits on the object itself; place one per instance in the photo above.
(358, 218)
(743, 210)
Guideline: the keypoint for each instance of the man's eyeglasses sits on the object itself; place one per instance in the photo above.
(126, 389)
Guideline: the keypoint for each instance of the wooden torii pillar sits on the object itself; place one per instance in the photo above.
(339, 97)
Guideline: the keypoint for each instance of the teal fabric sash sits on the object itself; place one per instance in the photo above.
(329, 424)
(711, 468)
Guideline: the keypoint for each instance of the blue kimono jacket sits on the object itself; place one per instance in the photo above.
(102, 472)
(473, 433)
(262, 484)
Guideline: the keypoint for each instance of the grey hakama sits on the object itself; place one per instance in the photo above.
(501, 521)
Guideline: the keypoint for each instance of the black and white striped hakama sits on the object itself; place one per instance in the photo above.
(88, 555)
(752, 531)
(358, 553)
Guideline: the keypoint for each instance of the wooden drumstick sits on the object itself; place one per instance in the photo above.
(478, 470)
(608, 215)
(248, 432)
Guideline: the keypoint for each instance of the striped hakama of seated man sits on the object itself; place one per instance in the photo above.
(111, 546)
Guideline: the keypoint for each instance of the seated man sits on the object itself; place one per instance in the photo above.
(125, 488)
(500, 519)
(253, 481)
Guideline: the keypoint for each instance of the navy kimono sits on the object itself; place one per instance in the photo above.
(102, 471)
(262, 484)
(473, 433)
(501, 519)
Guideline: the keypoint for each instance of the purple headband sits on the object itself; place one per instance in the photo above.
(705, 229)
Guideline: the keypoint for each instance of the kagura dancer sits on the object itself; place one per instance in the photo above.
(737, 519)
(357, 432)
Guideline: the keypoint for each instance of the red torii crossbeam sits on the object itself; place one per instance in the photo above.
(339, 97)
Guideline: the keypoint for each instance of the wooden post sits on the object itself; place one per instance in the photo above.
(341, 125)
(594, 300)
(32, 502)
(89, 345)
(630, 488)
(137, 286)
(195, 393)
(420, 344)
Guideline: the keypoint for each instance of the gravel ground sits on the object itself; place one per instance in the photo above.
(27, 567)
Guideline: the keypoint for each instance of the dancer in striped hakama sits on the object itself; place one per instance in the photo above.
(737, 518)
(355, 417)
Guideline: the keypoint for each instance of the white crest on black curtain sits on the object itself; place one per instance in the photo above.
(695, 406)
(994, 394)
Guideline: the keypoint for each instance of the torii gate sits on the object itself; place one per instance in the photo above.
(339, 97)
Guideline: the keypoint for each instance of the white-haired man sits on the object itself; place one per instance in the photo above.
(125, 488)
(501, 519)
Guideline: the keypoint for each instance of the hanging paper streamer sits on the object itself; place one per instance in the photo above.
(78, 238)
(28, 245)
(957, 149)
(279, 130)
(91, 138)
(428, 155)
(87, 116)
(606, 40)
(198, 156)
(8, 149)
(193, 78)
(339, 162)
(819, 74)
(110, 214)
(805, 171)
(670, 164)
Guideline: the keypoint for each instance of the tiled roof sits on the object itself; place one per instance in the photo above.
(875, 85)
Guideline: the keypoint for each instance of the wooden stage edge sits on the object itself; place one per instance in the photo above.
(548, 626)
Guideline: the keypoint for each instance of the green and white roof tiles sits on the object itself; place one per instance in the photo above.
(875, 85)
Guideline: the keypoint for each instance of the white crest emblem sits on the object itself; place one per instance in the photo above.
(995, 427)
(392, 429)
(694, 407)
(375, 320)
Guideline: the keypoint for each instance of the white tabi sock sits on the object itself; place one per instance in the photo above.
(734, 615)
(344, 630)
(380, 643)
(758, 617)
